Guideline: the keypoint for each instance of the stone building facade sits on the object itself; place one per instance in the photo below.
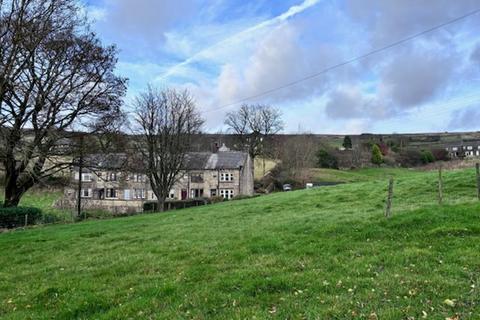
(464, 149)
(110, 187)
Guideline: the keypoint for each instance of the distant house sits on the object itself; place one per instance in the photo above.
(464, 149)
(110, 186)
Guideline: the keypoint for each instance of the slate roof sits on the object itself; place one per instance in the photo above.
(215, 161)
(110, 161)
(193, 160)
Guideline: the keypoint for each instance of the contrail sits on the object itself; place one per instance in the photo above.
(292, 11)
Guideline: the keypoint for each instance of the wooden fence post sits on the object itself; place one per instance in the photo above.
(477, 167)
(440, 185)
(388, 209)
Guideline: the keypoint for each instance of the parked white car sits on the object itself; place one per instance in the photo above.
(287, 187)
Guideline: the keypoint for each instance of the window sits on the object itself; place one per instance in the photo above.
(197, 178)
(226, 176)
(196, 193)
(171, 194)
(139, 178)
(139, 194)
(469, 148)
(213, 192)
(87, 177)
(86, 193)
(112, 176)
(226, 193)
(110, 193)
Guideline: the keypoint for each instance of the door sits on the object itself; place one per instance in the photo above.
(184, 194)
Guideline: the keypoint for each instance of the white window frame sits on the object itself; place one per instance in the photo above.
(227, 193)
(139, 193)
(226, 176)
(89, 193)
(106, 193)
(138, 177)
(87, 177)
(200, 191)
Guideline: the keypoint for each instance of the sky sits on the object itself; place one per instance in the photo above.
(226, 51)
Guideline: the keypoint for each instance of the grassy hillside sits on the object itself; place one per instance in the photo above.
(44, 199)
(258, 165)
(325, 253)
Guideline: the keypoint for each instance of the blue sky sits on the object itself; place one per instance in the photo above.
(224, 51)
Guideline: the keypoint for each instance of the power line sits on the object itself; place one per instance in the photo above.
(358, 58)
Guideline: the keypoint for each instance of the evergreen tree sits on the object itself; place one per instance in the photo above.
(377, 157)
(347, 142)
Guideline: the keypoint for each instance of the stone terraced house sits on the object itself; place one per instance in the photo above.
(110, 187)
(464, 149)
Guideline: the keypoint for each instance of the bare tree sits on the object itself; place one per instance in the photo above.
(55, 77)
(254, 125)
(298, 156)
(167, 120)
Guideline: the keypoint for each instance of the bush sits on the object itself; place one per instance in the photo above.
(441, 154)
(377, 157)
(51, 218)
(177, 204)
(427, 157)
(410, 158)
(216, 199)
(326, 160)
(383, 148)
(14, 217)
(347, 142)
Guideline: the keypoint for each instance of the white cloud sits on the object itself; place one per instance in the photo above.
(242, 36)
(225, 60)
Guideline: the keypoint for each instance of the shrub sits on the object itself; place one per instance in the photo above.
(176, 204)
(326, 160)
(441, 154)
(410, 158)
(383, 148)
(347, 142)
(427, 157)
(48, 218)
(377, 157)
(216, 199)
(13, 217)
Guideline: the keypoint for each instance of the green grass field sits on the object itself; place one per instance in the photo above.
(325, 253)
(258, 165)
(44, 199)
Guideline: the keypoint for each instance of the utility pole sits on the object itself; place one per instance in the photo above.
(80, 171)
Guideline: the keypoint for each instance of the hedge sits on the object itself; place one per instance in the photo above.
(14, 217)
(178, 204)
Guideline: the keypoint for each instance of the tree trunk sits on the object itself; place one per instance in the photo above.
(161, 205)
(264, 167)
(12, 193)
(11, 199)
